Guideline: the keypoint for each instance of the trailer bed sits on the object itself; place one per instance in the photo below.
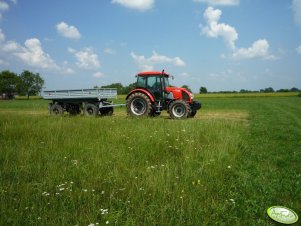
(99, 94)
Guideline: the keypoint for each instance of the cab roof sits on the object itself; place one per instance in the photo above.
(149, 73)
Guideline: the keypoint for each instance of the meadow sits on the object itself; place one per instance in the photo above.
(226, 166)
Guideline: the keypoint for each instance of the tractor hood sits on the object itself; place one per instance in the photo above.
(178, 92)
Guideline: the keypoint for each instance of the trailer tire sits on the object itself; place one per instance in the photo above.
(56, 109)
(90, 110)
(179, 109)
(106, 111)
(74, 109)
(139, 105)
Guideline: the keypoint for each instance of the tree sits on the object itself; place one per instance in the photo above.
(267, 90)
(186, 87)
(203, 90)
(8, 84)
(30, 83)
(117, 86)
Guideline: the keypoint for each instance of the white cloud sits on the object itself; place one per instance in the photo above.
(2, 36)
(259, 49)
(14, 1)
(86, 59)
(98, 75)
(213, 29)
(297, 11)
(3, 6)
(68, 31)
(32, 54)
(148, 64)
(11, 46)
(219, 2)
(109, 51)
(141, 5)
(299, 50)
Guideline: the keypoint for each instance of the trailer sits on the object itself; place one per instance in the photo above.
(92, 102)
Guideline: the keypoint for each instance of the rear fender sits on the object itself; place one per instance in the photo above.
(150, 96)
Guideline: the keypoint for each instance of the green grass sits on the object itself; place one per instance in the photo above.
(238, 157)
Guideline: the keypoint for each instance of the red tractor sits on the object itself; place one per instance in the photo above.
(153, 94)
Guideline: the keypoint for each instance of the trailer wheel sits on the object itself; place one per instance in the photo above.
(179, 110)
(138, 104)
(106, 111)
(90, 110)
(56, 109)
(74, 109)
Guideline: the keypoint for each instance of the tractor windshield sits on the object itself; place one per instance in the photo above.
(166, 82)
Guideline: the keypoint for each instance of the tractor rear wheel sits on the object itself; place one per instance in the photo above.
(90, 110)
(56, 109)
(179, 110)
(138, 104)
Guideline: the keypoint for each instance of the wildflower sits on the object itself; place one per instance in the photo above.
(193, 183)
(229, 167)
(199, 182)
(102, 192)
(75, 162)
(107, 222)
(85, 190)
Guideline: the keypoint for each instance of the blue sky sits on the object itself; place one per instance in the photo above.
(219, 44)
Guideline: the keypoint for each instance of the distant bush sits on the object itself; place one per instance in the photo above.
(299, 95)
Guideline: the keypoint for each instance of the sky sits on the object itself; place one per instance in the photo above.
(219, 44)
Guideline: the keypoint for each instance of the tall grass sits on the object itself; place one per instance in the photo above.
(150, 171)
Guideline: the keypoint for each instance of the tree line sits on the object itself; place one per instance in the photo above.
(25, 84)
(126, 89)
(30, 84)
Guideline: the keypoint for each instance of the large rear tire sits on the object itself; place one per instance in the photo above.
(56, 109)
(90, 110)
(179, 110)
(138, 105)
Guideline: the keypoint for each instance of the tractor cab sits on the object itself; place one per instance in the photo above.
(154, 82)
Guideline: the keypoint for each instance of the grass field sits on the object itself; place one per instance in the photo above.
(238, 157)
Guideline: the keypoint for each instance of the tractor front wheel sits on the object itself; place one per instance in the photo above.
(179, 110)
(138, 104)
